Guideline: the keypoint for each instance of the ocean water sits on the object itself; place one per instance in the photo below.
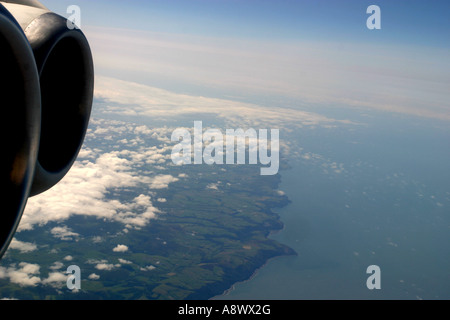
(374, 194)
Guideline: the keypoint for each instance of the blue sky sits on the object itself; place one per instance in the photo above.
(418, 22)
(311, 52)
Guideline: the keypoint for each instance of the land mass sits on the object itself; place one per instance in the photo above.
(211, 233)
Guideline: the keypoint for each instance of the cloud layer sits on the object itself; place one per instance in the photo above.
(27, 274)
(404, 79)
(153, 103)
(98, 175)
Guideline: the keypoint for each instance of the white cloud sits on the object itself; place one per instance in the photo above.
(106, 266)
(123, 261)
(213, 186)
(97, 239)
(55, 279)
(93, 276)
(25, 275)
(83, 192)
(68, 258)
(86, 190)
(22, 246)
(56, 265)
(120, 248)
(96, 261)
(63, 233)
(148, 268)
(157, 103)
(162, 181)
(103, 264)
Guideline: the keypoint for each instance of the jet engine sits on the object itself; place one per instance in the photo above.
(46, 91)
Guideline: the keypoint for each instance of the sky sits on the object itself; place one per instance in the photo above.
(414, 22)
(278, 53)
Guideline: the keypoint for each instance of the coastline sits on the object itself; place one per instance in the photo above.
(228, 291)
(257, 270)
(178, 276)
(284, 251)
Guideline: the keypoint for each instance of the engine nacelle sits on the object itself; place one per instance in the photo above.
(46, 95)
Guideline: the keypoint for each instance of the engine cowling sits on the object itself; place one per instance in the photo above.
(47, 92)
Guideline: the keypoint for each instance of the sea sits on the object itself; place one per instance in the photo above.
(372, 194)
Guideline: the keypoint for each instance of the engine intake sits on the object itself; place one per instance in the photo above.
(46, 90)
